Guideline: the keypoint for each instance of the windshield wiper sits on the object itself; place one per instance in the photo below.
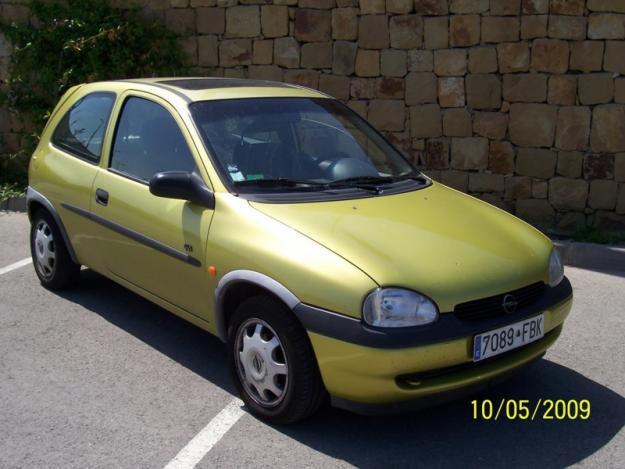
(279, 182)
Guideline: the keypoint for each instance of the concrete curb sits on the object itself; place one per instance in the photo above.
(15, 204)
(592, 256)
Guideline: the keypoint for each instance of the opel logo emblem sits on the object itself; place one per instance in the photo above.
(509, 304)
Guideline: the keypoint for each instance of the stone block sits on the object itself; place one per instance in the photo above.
(344, 57)
(425, 121)
(368, 63)
(363, 88)
(537, 212)
(406, 32)
(420, 60)
(208, 55)
(492, 125)
(262, 52)
(602, 194)
(483, 60)
(525, 88)
(464, 30)
(540, 189)
(532, 125)
(233, 52)
(436, 32)
(345, 23)
(505, 7)
(608, 128)
(536, 162)
(469, 153)
(436, 154)
(599, 166)
(483, 91)
(501, 157)
(620, 200)
(586, 56)
(431, 7)
(518, 187)
(606, 26)
(534, 26)
(450, 62)
(312, 25)
(180, 21)
(372, 7)
(393, 63)
(457, 123)
(500, 29)
(451, 92)
(534, 7)
(265, 72)
(211, 20)
(391, 88)
(387, 114)
(513, 57)
(373, 32)
(567, 27)
(573, 128)
(334, 85)
(286, 52)
(614, 60)
(243, 21)
(469, 6)
(399, 7)
(421, 87)
(619, 167)
(567, 7)
(562, 90)
(570, 164)
(606, 5)
(274, 20)
(485, 182)
(319, 55)
(458, 180)
(595, 88)
(550, 55)
(304, 77)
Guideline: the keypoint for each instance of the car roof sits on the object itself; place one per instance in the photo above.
(193, 89)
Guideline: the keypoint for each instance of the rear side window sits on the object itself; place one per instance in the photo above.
(81, 130)
(147, 141)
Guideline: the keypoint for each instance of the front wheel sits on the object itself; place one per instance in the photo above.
(272, 362)
(51, 259)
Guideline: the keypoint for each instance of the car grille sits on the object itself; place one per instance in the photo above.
(493, 306)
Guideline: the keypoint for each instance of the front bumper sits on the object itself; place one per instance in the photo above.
(370, 368)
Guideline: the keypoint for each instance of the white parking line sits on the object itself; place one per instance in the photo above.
(15, 265)
(202, 443)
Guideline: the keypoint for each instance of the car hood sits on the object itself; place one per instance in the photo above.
(437, 241)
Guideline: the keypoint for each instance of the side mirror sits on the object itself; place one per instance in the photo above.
(182, 185)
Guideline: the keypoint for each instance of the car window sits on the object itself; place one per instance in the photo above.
(148, 141)
(81, 130)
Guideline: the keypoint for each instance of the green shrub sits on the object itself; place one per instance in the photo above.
(72, 42)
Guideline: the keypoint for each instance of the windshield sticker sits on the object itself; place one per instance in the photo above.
(254, 177)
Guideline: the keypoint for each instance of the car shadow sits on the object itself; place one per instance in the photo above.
(444, 436)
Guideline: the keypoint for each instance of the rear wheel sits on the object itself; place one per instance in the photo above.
(51, 259)
(272, 362)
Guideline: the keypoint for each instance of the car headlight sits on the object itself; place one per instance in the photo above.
(556, 268)
(396, 307)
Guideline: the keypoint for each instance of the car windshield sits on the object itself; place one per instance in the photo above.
(285, 144)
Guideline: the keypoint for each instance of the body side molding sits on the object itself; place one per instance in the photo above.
(34, 196)
(247, 276)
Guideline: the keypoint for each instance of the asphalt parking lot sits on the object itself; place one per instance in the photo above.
(98, 377)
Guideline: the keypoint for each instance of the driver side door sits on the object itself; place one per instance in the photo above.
(152, 243)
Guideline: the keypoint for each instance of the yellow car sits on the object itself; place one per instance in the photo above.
(274, 217)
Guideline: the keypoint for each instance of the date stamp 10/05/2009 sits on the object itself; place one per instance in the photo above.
(524, 409)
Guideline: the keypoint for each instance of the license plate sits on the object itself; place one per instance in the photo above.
(497, 341)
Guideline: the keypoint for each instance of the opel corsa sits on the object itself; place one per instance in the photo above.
(276, 218)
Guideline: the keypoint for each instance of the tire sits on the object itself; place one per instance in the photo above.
(51, 259)
(293, 373)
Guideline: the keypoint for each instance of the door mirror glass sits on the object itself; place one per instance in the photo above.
(182, 185)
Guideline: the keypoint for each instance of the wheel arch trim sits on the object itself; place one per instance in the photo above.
(247, 276)
(34, 196)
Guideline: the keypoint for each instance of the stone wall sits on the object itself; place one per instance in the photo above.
(519, 102)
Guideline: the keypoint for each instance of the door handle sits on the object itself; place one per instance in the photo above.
(101, 197)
